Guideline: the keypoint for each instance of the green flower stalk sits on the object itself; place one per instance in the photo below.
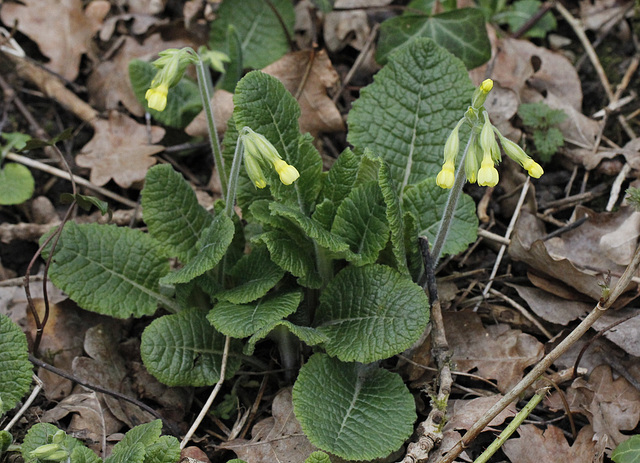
(259, 153)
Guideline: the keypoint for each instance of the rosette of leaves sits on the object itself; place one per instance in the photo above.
(349, 235)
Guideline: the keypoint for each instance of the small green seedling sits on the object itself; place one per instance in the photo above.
(543, 121)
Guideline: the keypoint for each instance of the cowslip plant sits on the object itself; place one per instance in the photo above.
(14, 364)
(332, 260)
(16, 182)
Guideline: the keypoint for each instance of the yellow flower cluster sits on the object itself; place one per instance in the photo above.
(483, 148)
(259, 152)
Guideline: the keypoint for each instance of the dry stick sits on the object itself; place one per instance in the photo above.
(525, 313)
(214, 393)
(546, 362)
(27, 404)
(62, 174)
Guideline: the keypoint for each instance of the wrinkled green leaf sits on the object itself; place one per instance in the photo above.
(175, 219)
(16, 369)
(365, 412)
(310, 336)
(261, 34)
(16, 184)
(185, 350)
(165, 450)
(212, 247)
(42, 434)
(462, 32)
(109, 270)
(426, 202)
(136, 439)
(371, 313)
(242, 320)
(521, 12)
(81, 454)
(183, 100)
(318, 457)
(362, 223)
(628, 451)
(406, 115)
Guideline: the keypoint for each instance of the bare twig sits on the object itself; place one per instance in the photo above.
(27, 404)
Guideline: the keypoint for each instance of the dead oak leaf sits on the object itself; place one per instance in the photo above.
(278, 438)
(497, 352)
(61, 28)
(535, 445)
(119, 150)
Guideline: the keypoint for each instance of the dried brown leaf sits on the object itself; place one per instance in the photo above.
(497, 352)
(535, 445)
(61, 28)
(626, 335)
(552, 308)
(120, 149)
(464, 413)
(278, 438)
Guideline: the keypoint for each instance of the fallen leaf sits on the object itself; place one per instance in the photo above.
(497, 352)
(342, 28)
(138, 24)
(610, 405)
(222, 102)
(109, 82)
(626, 335)
(596, 14)
(462, 414)
(552, 308)
(148, 7)
(62, 29)
(277, 438)
(120, 150)
(536, 445)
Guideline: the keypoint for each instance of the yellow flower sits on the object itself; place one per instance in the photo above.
(288, 174)
(516, 153)
(534, 169)
(157, 97)
(254, 171)
(447, 175)
(488, 174)
(486, 86)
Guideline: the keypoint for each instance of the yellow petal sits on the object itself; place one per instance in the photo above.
(288, 174)
(157, 97)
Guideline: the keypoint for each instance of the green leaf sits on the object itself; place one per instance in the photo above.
(255, 275)
(318, 457)
(86, 203)
(311, 228)
(35, 143)
(212, 247)
(175, 220)
(521, 12)
(6, 439)
(81, 454)
(109, 270)
(310, 336)
(371, 313)
(233, 72)
(15, 141)
(133, 453)
(406, 115)
(42, 434)
(426, 202)
(361, 221)
(136, 439)
(165, 450)
(259, 28)
(627, 451)
(242, 320)
(547, 142)
(365, 412)
(185, 350)
(16, 184)
(183, 100)
(462, 32)
(263, 104)
(292, 256)
(16, 369)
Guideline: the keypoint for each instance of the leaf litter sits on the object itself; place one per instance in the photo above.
(567, 272)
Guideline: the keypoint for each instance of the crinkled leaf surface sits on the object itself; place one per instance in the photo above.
(81, 454)
(16, 369)
(185, 350)
(361, 221)
(110, 270)
(165, 450)
(462, 32)
(175, 220)
(183, 101)
(41, 434)
(255, 275)
(263, 104)
(628, 451)
(426, 202)
(365, 412)
(310, 336)
(212, 247)
(370, 313)
(318, 457)
(242, 320)
(337, 184)
(406, 115)
(258, 27)
(16, 184)
(141, 436)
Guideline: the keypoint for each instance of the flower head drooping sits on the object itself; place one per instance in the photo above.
(171, 66)
(483, 149)
(258, 153)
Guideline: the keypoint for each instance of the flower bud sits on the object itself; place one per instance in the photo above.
(452, 145)
(59, 437)
(446, 177)
(481, 93)
(472, 160)
(44, 451)
(60, 455)
(254, 171)
(288, 174)
(157, 97)
(488, 174)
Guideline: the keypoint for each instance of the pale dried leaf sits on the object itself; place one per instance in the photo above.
(552, 308)
(536, 445)
(342, 28)
(464, 413)
(497, 352)
(61, 28)
(626, 335)
(120, 149)
(278, 438)
(599, 13)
